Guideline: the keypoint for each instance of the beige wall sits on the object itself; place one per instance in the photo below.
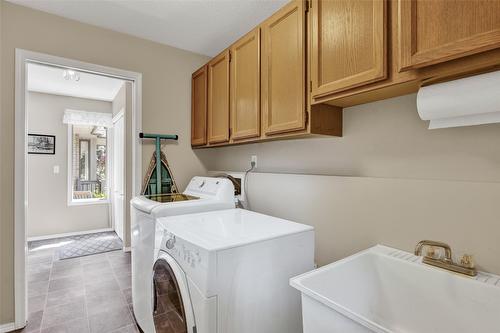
(388, 180)
(48, 210)
(382, 139)
(6, 260)
(166, 99)
(353, 213)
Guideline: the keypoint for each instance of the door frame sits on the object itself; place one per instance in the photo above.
(111, 164)
(23, 57)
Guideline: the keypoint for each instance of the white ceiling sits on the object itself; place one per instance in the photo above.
(50, 80)
(202, 26)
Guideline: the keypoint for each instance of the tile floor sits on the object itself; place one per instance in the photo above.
(89, 294)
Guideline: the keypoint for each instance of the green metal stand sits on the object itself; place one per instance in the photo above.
(158, 138)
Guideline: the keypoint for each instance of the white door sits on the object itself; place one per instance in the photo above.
(118, 173)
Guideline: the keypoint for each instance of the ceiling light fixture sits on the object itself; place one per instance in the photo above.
(69, 74)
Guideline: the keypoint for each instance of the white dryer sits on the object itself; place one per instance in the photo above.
(202, 194)
(228, 271)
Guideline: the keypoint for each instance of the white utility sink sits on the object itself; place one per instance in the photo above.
(387, 290)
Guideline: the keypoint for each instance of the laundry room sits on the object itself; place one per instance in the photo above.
(271, 166)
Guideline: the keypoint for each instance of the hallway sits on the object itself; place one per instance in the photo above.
(87, 294)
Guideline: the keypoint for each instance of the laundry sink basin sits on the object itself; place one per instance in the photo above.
(387, 290)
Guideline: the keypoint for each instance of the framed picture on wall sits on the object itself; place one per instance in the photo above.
(41, 144)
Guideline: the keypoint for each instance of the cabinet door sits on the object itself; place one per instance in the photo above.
(199, 107)
(283, 70)
(431, 32)
(245, 86)
(218, 98)
(348, 45)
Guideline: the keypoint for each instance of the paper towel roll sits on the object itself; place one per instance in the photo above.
(469, 101)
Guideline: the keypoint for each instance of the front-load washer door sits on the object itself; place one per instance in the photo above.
(172, 309)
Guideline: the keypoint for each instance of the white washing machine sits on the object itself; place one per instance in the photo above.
(202, 194)
(228, 271)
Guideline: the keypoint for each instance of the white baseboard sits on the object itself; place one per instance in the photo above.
(9, 327)
(68, 234)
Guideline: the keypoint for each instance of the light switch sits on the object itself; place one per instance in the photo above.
(56, 169)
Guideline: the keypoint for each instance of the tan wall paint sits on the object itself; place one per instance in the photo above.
(166, 99)
(48, 210)
(381, 139)
(353, 213)
(407, 183)
(7, 260)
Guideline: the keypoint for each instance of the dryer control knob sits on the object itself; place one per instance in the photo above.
(170, 243)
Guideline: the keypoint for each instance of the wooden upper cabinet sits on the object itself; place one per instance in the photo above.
(199, 107)
(431, 32)
(283, 70)
(218, 98)
(245, 86)
(348, 44)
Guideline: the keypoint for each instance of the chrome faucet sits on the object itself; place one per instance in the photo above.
(466, 265)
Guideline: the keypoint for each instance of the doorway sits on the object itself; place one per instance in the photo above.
(93, 156)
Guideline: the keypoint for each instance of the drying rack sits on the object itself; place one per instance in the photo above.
(158, 138)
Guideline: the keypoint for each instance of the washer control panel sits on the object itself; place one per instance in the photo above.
(187, 254)
(198, 263)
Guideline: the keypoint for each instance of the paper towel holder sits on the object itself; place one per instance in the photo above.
(451, 77)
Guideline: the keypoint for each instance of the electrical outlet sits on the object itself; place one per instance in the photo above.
(253, 161)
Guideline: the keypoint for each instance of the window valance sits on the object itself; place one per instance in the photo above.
(76, 117)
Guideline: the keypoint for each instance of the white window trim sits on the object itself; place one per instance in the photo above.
(83, 202)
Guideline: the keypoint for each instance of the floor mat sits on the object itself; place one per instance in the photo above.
(84, 245)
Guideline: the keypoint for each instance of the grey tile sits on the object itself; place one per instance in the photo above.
(74, 326)
(95, 258)
(39, 276)
(38, 288)
(131, 308)
(121, 259)
(122, 269)
(109, 320)
(36, 303)
(34, 322)
(98, 276)
(47, 258)
(39, 268)
(69, 271)
(97, 266)
(125, 282)
(65, 296)
(66, 283)
(127, 329)
(62, 264)
(60, 314)
(112, 300)
(128, 295)
(101, 287)
(118, 253)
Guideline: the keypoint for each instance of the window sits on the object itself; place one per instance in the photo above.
(88, 164)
